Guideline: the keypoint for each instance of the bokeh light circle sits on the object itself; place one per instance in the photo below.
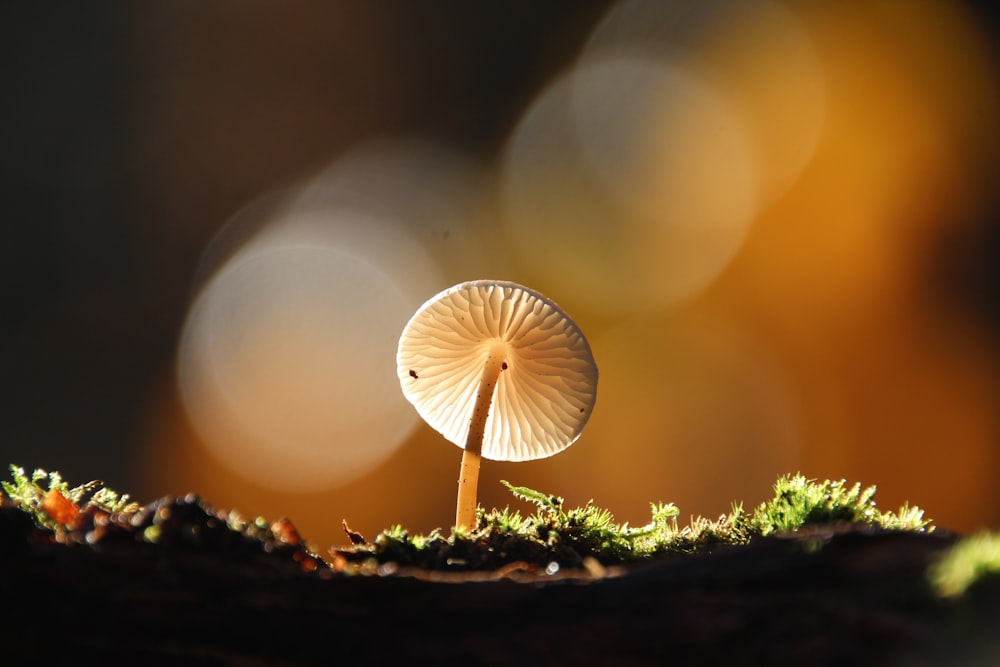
(628, 181)
(286, 366)
(759, 58)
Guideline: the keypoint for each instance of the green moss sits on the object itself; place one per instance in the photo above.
(551, 536)
(968, 562)
(30, 493)
(799, 501)
(568, 537)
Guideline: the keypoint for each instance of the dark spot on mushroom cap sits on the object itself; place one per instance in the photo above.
(503, 366)
(413, 374)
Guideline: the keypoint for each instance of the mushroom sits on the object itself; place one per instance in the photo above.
(499, 370)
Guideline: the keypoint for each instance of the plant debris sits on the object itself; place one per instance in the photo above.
(96, 516)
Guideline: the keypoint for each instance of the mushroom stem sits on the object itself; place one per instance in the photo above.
(468, 480)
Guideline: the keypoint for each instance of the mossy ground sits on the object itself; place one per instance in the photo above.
(93, 515)
(816, 574)
(555, 537)
(548, 539)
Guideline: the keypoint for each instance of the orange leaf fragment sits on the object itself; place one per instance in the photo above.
(60, 508)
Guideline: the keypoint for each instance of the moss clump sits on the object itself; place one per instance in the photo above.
(42, 508)
(55, 505)
(968, 562)
(799, 502)
(548, 539)
(557, 537)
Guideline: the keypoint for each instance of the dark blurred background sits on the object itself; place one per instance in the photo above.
(848, 328)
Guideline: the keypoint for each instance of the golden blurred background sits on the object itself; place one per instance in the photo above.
(775, 221)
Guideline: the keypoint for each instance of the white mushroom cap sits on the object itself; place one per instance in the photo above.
(545, 392)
